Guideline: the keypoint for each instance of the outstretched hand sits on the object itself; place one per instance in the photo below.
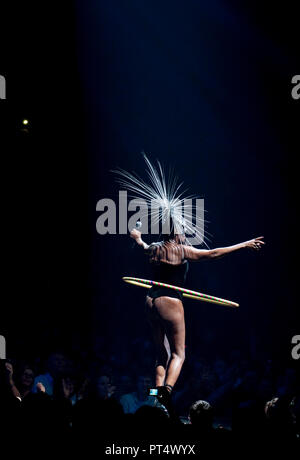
(256, 243)
(40, 388)
(135, 234)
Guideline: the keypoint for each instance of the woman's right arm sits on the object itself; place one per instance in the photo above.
(137, 236)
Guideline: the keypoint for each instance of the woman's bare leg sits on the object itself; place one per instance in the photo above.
(171, 314)
(162, 347)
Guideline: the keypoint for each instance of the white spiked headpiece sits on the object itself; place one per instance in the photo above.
(165, 200)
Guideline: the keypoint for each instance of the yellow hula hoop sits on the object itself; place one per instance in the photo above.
(185, 292)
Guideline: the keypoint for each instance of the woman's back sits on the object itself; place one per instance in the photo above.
(166, 252)
(168, 262)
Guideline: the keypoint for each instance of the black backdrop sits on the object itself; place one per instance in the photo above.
(204, 87)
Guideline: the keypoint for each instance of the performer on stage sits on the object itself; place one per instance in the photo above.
(170, 261)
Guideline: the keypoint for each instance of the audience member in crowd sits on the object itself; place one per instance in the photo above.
(105, 389)
(131, 402)
(56, 368)
(8, 384)
(201, 416)
(25, 380)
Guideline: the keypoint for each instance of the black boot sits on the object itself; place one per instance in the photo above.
(164, 395)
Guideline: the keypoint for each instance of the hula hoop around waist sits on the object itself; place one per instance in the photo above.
(185, 292)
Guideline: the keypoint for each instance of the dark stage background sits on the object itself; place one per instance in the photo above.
(202, 86)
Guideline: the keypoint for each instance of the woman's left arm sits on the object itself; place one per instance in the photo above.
(255, 243)
(192, 253)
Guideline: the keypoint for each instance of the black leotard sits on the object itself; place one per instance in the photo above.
(170, 274)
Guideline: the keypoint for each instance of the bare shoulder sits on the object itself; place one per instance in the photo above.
(192, 253)
(154, 245)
